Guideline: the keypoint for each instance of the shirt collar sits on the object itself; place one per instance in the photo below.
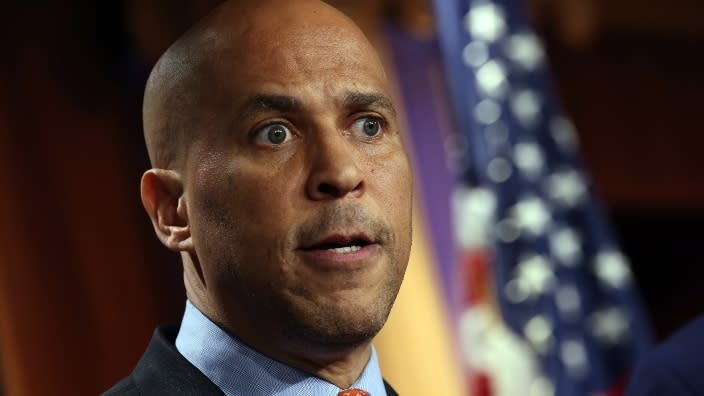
(240, 370)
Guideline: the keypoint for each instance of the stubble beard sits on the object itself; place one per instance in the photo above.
(296, 318)
(293, 315)
(337, 324)
(312, 320)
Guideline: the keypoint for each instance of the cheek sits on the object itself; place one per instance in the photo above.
(252, 190)
(394, 178)
(394, 185)
(240, 234)
(263, 198)
(261, 203)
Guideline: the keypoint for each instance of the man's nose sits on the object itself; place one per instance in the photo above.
(335, 168)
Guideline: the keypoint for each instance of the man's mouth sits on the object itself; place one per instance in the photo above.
(341, 244)
(342, 252)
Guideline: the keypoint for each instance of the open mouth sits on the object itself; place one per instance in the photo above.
(340, 245)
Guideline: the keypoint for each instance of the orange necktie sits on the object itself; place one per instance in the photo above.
(353, 392)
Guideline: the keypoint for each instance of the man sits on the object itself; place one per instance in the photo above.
(279, 174)
(674, 368)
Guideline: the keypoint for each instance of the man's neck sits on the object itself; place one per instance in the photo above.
(338, 364)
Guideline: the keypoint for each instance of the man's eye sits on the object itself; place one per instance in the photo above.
(368, 126)
(273, 134)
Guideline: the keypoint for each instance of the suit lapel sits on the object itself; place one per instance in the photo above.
(389, 390)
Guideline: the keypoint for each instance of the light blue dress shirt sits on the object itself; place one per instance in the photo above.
(240, 370)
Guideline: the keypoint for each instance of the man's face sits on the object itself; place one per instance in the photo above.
(299, 191)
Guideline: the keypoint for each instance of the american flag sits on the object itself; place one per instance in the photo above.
(551, 307)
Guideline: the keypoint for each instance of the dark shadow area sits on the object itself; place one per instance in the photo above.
(665, 247)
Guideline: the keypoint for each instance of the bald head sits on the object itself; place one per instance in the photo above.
(188, 89)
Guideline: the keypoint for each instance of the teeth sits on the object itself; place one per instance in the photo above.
(345, 249)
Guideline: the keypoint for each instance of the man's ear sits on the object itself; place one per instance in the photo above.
(164, 200)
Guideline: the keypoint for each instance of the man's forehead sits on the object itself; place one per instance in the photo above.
(352, 100)
(297, 72)
(290, 51)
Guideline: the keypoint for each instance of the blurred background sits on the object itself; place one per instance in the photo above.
(83, 280)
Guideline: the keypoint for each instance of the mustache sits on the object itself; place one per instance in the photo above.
(343, 219)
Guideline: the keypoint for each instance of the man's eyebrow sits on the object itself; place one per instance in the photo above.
(265, 102)
(361, 100)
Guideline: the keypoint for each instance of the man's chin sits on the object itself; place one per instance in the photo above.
(350, 334)
(348, 324)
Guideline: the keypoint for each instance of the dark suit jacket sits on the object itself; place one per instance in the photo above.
(674, 368)
(162, 370)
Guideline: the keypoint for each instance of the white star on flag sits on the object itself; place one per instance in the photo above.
(534, 275)
(610, 325)
(574, 357)
(491, 79)
(568, 301)
(525, 50)
(612, 269)
(531, 215)
(566, 187)
(485, 21)
(538, 331)
(475, 54)
(565, 245)
(529, 159)
(526, 106)
(564, 133)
